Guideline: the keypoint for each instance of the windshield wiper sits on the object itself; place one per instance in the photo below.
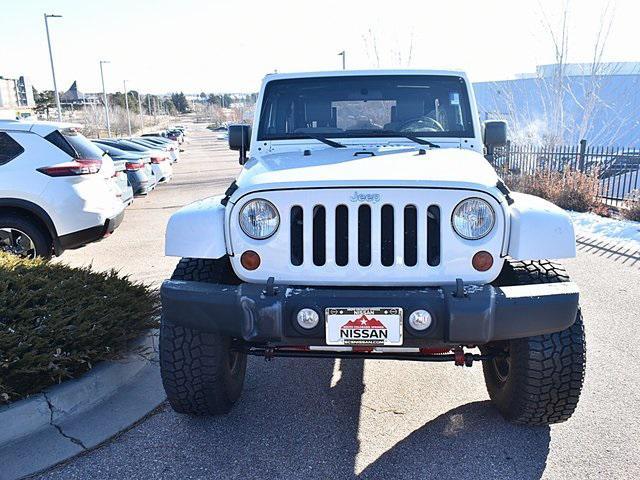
(417, 140)
(325, 140)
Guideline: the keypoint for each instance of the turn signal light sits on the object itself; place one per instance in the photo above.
(250, 260)
(482, 261)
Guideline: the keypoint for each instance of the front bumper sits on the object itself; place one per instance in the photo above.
(267, 316)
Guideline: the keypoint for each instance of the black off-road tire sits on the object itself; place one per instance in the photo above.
(540, 381)
(205, 270)
(200, 372)
(39, 236)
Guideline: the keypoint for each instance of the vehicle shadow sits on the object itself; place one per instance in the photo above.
(292, 421)
(300, 419)
(470, 441)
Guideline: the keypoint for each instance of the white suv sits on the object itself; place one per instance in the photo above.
(54, 189)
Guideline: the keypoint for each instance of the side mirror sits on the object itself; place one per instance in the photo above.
(495, 133)
(240, 139)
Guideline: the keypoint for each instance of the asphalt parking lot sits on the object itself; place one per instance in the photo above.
(372, 419)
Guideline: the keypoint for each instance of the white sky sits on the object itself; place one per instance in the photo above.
(218, 45)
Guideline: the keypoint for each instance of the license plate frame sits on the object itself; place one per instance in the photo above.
(344, 326)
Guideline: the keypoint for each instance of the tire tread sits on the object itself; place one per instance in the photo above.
(192, 362)
(548, 370)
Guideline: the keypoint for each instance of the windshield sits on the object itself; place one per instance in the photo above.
(366, 106)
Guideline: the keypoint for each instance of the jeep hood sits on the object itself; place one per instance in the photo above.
(353, 167)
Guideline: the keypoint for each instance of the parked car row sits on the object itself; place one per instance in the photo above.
(60, 190)
(175, 133)
(148, 161)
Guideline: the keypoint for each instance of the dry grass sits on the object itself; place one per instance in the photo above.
(631, 208)
(570, 190)
(603, 210)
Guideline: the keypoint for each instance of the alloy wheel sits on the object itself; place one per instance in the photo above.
(16, 242)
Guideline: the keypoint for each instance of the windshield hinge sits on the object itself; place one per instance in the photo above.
(227, 194)
(505, 191)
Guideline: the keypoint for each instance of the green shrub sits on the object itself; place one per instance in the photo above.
(56, 322)
(570, 189)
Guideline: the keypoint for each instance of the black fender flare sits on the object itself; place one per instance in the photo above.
(38, 212)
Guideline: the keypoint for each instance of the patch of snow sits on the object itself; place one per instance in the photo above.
(622, 232)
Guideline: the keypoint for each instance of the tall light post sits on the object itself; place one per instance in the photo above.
(126, 105)
(141, 115)
(104, 93)
(343, 54)
(53, 71)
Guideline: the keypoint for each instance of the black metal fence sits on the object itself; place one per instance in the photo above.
(617, 169)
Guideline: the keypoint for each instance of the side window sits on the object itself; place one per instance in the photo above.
(9, 148)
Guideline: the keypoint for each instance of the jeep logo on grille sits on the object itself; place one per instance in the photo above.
(365, 197)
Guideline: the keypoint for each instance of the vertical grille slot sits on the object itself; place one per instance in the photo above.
(386, 235)
(433, 236)
(364, 235)
(342, 235)
(296, 236)
(410, 236)
(319, 235)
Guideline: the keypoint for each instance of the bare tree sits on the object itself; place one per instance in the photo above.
(566, 102)
(395, 54)
(92, 117)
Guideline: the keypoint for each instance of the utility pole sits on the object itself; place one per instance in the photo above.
(104, 93)
(141, 115)
(343, 54)
(53, 71)
(126, 105)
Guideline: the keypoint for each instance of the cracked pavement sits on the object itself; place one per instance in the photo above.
(59, 428)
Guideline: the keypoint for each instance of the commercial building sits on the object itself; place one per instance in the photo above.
(16, 92)
(600, 103)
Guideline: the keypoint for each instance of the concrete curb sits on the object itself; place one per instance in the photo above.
(79, 414)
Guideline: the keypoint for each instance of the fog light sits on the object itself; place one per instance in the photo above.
(482, 261)
(250, 260)
(420, 320)
(307, 318)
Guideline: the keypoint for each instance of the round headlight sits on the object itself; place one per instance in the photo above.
(259, 219)
(473, 218)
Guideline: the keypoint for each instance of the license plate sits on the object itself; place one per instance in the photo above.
(363, 326)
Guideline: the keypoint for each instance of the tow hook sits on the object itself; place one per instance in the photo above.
(462, 359)
(269, 354)
(270, 290)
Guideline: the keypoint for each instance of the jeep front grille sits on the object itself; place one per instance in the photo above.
(384, 235)
(394, 236)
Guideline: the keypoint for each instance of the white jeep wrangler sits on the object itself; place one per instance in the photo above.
(366, 223)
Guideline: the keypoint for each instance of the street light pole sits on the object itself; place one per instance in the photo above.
(141, 115)
(343, 54)
(126, 104)
(104, 93)
(53, 71)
